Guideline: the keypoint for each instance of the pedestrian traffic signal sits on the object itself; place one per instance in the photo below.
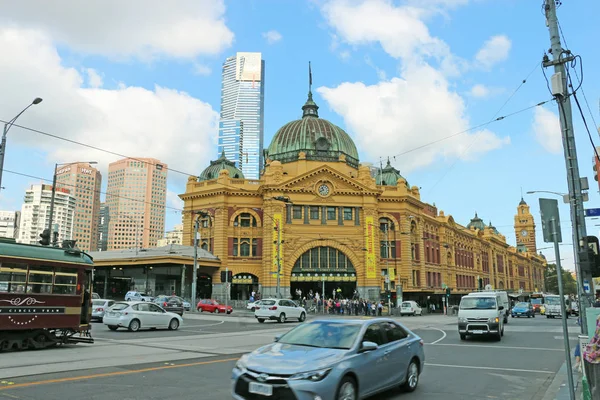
(226, 276)
(593, 256)
(45, 235)
(448, 290)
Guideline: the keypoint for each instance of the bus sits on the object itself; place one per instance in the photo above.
(537, 300)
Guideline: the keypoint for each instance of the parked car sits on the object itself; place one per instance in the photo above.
(95, 296)
(254, 305)
(213, 306)
(280, 310)
(523, 309)
(332, 359)
(99, 307)
(170, 303)
(140, 315)
(410, 308)
(187, 306)
(132, 295)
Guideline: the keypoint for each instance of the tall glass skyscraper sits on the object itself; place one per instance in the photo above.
(241, 127)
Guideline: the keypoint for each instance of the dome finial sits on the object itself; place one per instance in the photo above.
(309, 109)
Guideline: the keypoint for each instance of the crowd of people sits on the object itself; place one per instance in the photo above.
(338, 303)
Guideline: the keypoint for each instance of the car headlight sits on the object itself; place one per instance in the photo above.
(314, 376)
(494, 320)
(462, 319)
(241, 363)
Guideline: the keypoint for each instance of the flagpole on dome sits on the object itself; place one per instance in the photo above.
(309, 80)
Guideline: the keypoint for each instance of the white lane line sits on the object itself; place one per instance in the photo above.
(440, 339)
(494, 347)
(488, 368)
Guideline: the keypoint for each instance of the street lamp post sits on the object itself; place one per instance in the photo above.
(55, 236)
(201, 214)
(7, 126)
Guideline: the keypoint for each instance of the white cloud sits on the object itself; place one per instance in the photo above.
(94, 79)
(272, 36)
(114, 28)
(173, 200)
(494, 50)
(200, 69)
(162, 123)
(479, 90)
(546, 128)
(405, 113)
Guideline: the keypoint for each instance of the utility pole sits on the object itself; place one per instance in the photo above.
(560, 92)
(278, 259)
(51, 212)
(195, 271)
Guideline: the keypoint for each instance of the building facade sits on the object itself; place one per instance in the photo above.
(103, 219)
(35, 213)
(136, 196)
(172, 237)
(9, 224)
(241, 124)
(327, 222)
(84, 182)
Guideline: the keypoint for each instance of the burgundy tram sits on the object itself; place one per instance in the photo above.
(45, 295)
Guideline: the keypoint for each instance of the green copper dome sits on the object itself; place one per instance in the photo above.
(318, 138)
(389, 176)
(212, 171)
(476, 223)
(493, 228)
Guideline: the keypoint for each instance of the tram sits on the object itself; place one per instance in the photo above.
(45, 295)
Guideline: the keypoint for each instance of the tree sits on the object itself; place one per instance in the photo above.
(551, 280)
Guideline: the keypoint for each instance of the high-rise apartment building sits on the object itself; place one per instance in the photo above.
(9, 224)
(136, 197)
(84, 182)
(103, 228)
(241, 125)
(35, 213)
(172, 237)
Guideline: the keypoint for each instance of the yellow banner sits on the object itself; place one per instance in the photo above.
(370, 260)
(392, 272)
(277, 238)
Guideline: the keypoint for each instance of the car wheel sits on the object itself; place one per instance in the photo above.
(498, 336)
(347, 389)
(216, 311)
(134, 325)
(282, 318)
(533, 315)
(253, 309)
(261, 320)
(174, 324)
(529, 316)
(512, 316)
(302, 317)
(412, 377)
(463, 336)
(113, 327)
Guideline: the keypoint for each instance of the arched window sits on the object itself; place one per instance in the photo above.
(325, 260)
(245, 220)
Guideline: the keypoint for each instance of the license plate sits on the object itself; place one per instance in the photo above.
(260, 388)
(478, 332)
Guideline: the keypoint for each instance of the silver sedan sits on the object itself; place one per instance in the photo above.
(140, 315)
(332, 359)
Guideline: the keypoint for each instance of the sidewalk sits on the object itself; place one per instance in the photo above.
(559, 387)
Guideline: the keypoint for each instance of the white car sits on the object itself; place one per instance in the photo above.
(140, 314)
(280, 310)
(132, 295)
(99, 307)
(410, 308)
(253, 306)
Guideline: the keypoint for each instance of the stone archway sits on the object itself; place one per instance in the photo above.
(242, 286)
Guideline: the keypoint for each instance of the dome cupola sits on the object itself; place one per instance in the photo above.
(476, 223)
(215, 167)
(389, 176)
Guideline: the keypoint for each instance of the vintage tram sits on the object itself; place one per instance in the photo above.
(45, 295)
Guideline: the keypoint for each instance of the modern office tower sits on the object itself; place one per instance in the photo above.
(103, 228)
(136, 197)
(35, 214)
(241, 124)
(9, 224)
(84, 182)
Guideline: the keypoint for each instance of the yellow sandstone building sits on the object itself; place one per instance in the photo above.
(328, 222)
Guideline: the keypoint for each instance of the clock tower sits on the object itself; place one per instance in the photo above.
(525, 228)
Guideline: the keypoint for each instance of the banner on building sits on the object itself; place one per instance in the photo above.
(277, 239)
(392, 273)
(370, 259)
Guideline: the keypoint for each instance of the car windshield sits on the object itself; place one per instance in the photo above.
(267, 302)
(536, 301)
(329, 335)
(478, 303)
(554, 301)
(119, 306)
(522, 305)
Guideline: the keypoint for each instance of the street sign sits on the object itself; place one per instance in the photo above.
(586, 286)
(549, 212)
(592, 212)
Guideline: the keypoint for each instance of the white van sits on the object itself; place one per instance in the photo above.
(481, 314)
(504, 302)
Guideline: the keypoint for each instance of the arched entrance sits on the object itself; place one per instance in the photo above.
(323, 266)
(204, 286)
(242, 286)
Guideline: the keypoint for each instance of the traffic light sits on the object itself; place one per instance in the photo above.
(226, 276)
(448, 290)
(45, 235)
(593, 256)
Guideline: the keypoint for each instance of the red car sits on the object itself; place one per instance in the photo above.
(213, 306)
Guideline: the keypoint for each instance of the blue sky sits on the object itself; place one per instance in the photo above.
(396, 75)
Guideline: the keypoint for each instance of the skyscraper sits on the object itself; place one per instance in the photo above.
(84, 183)
(35, 213)
(136, 197)
(241, 126)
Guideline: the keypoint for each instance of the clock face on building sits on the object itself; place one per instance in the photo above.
(324, 190)
(524, 233)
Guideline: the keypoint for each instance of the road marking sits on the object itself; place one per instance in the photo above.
(489, 368)
(494, 347)
(108, 374)
(442, 338)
